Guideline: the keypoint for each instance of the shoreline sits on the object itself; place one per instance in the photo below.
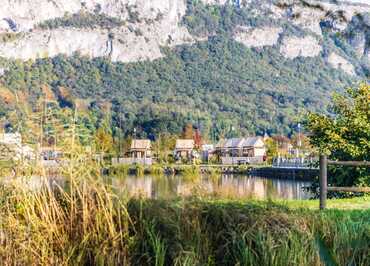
(303, 174)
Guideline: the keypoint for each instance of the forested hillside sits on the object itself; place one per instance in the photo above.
(217, 83)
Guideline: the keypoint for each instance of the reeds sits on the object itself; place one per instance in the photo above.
(157, 170)
(79, 223)
(215, 233)
(190, 173)
(84, 223)
(121, 170)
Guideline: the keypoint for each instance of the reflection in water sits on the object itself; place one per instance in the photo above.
(167, 187)
(35, 183)
(228, 186)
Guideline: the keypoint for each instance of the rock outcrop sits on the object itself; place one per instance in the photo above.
(339, 62)
(293, 47)
(258, 37)
(150, 25)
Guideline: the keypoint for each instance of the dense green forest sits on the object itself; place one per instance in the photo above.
(219, 85)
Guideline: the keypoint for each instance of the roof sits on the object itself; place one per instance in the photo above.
(221, 143)
(234, 143)
(281, 139)
(253, 141)
(185, 144)
(140, 144)
(237, 143)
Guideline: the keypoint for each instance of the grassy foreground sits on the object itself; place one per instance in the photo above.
(89, 225)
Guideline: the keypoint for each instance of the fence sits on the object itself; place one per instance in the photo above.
(142, 161)
(300, 163)
(324, 162)
(241, 160)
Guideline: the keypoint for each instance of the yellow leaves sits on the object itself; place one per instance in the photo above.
(7, 96)
(347, 131)
(104, 140)
(82, 105)
(64, 92)
(48, 93)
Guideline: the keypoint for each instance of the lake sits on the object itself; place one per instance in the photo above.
(224, 186)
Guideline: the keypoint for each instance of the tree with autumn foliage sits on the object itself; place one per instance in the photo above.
(345, 135)
(103, 141)
(163, 147)
(198, 139)
(188, 131)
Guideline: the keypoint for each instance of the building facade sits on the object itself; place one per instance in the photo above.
(242, 150)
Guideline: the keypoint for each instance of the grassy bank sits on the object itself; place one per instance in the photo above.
(160, 169)
(88, 224)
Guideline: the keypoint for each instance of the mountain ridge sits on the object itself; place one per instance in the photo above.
(149, 25)
(254, 66)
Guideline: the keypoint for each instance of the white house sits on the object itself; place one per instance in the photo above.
(184, 149)
(140, 153)
(242, 150)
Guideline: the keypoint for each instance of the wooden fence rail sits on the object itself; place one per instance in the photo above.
(349, 163)
(324, 162)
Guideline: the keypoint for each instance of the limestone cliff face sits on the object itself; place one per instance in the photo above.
(293, 47)
(157, 23)
(339, 62)
(149, 25)
(258, 37)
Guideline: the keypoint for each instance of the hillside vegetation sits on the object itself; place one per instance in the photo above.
(89, 225)
(218, 84)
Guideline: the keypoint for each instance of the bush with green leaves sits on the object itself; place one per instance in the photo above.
(345, 135)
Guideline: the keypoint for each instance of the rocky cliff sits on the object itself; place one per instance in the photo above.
(28, 28)
(253, 65)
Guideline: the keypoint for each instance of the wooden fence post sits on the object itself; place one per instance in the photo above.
(323, 181)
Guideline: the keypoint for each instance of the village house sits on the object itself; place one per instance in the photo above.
(241, 150)
(140, 153)
(284, 145)
(141, 148)
(184, 149)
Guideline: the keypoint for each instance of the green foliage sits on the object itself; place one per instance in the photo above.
(139, 169)
(103, 141)
(163, 147)
(346, 136)
(205, 20)
(219, 85)
(272, 149)
(89, 224)
(121, 170)
(157, 170)
(82, 20)
(242, 233)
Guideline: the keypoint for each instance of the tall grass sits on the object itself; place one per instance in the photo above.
(121, 170)
(190, 173)
(157, 169)
(81, 222)
(216, 233)
(84, 223)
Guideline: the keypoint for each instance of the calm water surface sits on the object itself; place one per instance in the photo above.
(167, 187)
(225, 186)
